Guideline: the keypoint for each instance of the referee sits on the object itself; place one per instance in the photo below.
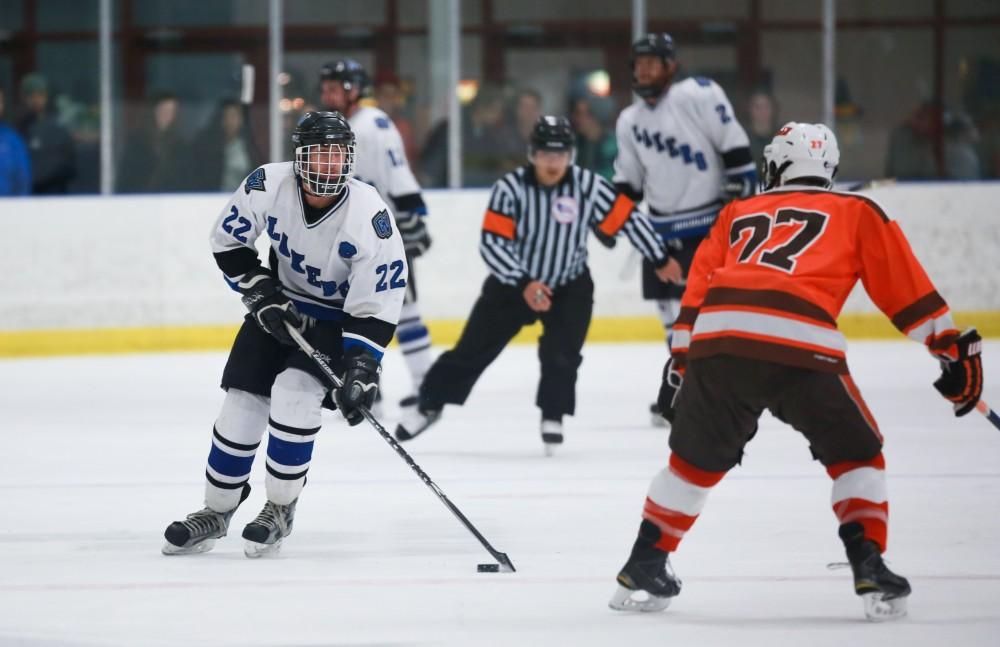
(534, 242)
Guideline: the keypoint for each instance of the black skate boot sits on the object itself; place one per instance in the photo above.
(646, 582)
(883, 592)
(264, 534)
(415, 421)
(198, 532)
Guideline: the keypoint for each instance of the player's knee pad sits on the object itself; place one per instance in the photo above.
(297, 399)
(243, 417)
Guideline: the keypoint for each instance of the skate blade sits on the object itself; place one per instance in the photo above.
(550, 449)
(628, 600)
(253, 550)
(203, 547)
(659, 421)
(878, 609)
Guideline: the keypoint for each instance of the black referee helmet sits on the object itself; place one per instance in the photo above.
(349, 72)
(552, 134)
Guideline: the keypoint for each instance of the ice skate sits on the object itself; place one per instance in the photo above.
(415, 421)
(265, 533)
(646, 583)
(883, 592)
(656, 418)
(198, 532)
(552, 436)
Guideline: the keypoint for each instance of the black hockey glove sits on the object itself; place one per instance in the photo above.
(737, 186)
(669, 388)
(361, 372)
(961, 380)
(416, 239)
(269, 306)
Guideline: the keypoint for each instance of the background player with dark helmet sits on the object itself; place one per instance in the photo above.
(681, 149)
(382, 163)
(534, 242)
(758, 330)
(328, 232)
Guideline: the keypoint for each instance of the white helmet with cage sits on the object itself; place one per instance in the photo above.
(800, 152)
(324, 152)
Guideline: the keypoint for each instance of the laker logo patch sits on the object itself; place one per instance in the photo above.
(255, 181)
(382, 224)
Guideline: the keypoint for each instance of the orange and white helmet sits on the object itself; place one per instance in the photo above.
(799, 152)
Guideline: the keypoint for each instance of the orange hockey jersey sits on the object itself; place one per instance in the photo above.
(771, 277)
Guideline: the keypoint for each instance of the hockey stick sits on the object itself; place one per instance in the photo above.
(503, 562)
(989, 413)
(247, 78)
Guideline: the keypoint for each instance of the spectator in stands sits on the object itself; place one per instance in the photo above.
(763, 122)
(224, 152)
(391, 99)
(527, 112)
(961, 160)
(50, 146)
(911, 145)
(15, 165)
(156, 157)
(490, 145)
(596, 145)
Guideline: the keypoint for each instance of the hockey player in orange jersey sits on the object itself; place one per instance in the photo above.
(757, 330)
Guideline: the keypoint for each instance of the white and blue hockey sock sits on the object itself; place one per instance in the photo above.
(296, 404)
(235, 439)
(415, 342)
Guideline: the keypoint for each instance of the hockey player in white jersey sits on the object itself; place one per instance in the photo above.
(337, 273)
(382, 163)
(681, 148)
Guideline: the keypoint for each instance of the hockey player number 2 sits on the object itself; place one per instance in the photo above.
(761, 226)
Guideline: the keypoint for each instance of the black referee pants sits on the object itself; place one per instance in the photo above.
(498, 315)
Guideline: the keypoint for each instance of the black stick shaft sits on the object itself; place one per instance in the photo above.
(989, 413)
(324, 366)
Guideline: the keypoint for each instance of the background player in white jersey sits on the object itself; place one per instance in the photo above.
(382, 163)
(338, 274)
(681, 148)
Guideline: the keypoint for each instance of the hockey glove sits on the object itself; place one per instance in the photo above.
(738, 186)
(669, 388)
(416, 239)
(361, 372)
(269, 306)
(961, 379)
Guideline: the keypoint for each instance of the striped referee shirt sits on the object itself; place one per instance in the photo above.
(534, 232)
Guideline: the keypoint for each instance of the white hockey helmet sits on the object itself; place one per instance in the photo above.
(799, 152)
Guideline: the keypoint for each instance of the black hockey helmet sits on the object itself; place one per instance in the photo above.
(349, 72)
(322, 127)
(660, 45)
(324, 152)
(552, 134)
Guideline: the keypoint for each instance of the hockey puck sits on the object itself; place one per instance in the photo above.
(488, 568)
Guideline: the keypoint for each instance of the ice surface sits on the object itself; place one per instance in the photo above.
(100, 454)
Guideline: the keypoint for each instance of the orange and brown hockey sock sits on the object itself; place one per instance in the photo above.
(675, 499)
(859, 495)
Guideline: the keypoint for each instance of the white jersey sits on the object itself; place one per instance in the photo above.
(349, 262)
(673, 154)
(380, 159)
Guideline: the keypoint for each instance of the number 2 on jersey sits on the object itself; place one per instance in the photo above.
(762, 226)
(394, 282)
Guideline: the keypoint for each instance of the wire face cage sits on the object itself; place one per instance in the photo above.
(324, 168)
